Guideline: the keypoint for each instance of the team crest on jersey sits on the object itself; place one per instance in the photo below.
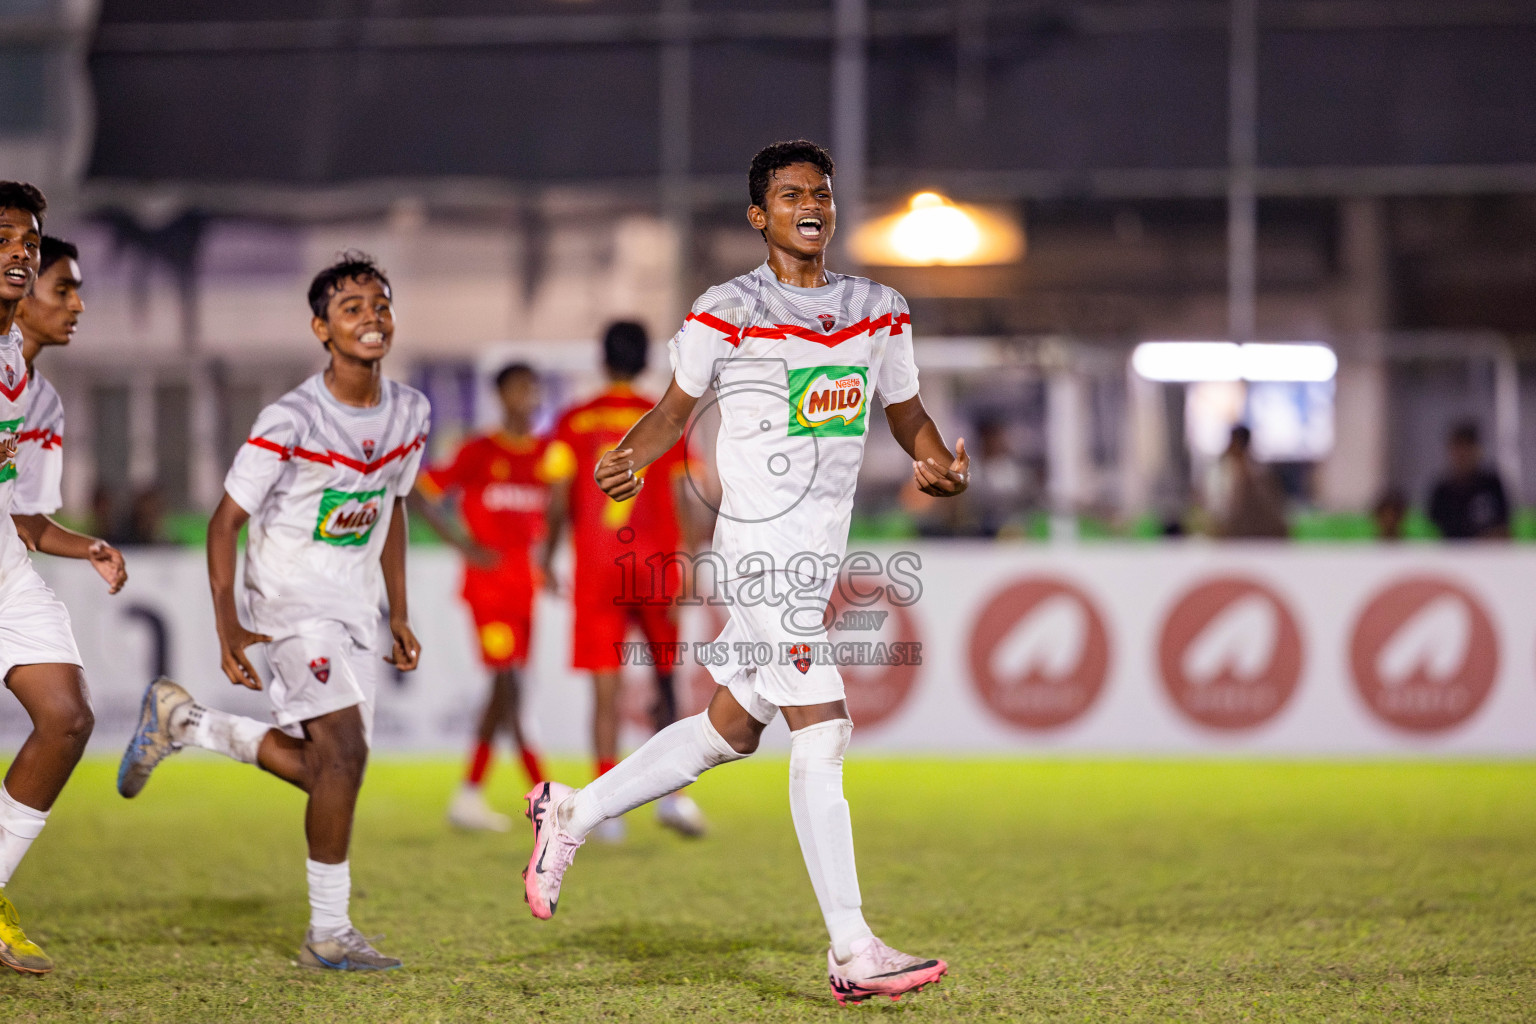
(346, 518)
(801, 657)
(368, 450)
(10, 377)
(321, 667)
(828, 321)
(829, 401)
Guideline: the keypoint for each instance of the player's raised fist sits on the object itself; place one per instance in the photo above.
(941, 481)
(615, 475)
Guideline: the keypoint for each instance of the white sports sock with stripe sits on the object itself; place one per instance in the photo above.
(825, 830)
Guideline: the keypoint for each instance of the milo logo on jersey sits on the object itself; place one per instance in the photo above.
(347, 517)
(10, 437)
(829, 401)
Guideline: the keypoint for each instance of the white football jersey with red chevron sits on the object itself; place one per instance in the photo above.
(793, 370)
(319, 479)
(13, 417)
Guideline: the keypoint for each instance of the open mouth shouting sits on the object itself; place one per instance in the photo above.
(811, 227)
(18, 275)
(371, 339)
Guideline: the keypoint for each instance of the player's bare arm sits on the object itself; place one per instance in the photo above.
(234, 638)
(444, 523)
(405, 651)
(556, 507)
(648, 440)
(935, 469)
(41, 533)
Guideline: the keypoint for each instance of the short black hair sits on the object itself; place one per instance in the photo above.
(18, 195)
(1242, 435)
(512, 370)
(780, 155)
(1466, 432)
(626, 345)
(55, 249)
(351, 265)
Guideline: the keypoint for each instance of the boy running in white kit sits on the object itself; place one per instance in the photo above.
(322, 481)
(793, 352)
(38, 659)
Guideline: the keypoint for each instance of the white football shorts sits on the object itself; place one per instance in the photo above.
(34, 625)
(319, 670)
(775, 672)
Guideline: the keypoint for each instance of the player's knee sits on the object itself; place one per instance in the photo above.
(69, 721)
(730, 744)
(822, 743)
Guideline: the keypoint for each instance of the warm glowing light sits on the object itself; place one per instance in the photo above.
(1190, 361)
(934, 231)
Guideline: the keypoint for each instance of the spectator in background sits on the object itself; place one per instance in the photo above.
(998, 492)
(146, 517)
(1242, 496)
(1469, 502)
(1388, 514)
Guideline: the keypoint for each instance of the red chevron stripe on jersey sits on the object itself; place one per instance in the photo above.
(14, 394)
(779, 332)
(331, 458)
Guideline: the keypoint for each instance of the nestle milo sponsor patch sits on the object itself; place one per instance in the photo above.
(829, 401)
(347, 517)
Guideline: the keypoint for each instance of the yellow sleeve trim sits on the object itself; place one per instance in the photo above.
(558, 463)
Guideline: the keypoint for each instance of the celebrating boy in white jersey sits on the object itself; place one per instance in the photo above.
(47, 318)
(793, 353)
(322, 482)
(38, 659)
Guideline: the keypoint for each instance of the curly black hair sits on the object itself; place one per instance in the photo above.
(351, 265)
(625, 347)
(18, 195)
(780, 155)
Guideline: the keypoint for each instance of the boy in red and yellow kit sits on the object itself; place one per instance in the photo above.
(613, 586)
(502, 496)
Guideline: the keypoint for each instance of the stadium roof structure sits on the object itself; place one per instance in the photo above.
(1110, 98)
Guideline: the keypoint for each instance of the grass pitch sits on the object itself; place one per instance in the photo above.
(1058, 891)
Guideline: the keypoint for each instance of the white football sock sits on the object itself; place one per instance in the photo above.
(667, 762)
(19, 825)
(195, 725)
(825, 830)
(330, 893)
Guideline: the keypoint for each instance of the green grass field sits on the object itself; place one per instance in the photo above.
(1062, 891)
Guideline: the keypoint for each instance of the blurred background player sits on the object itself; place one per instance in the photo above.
(1469, 501)
(501, 494)
(38, 658)
(835, 339)
(322, 481)
(613, 587)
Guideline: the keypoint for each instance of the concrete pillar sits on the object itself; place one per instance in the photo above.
(1355, 474)
(1067, 463)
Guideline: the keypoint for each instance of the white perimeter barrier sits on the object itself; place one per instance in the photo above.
(1167, 649)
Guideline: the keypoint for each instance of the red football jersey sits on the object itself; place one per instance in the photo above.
(502, 492)
(603, 531)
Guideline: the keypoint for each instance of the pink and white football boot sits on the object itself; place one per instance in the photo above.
(553, 849)
(876, 969)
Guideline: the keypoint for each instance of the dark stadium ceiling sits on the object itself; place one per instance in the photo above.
(1001, 99)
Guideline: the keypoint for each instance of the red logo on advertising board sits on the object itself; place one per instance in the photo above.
(321, 667)
(1230, 653)
(1424, 654)
(1039, 653)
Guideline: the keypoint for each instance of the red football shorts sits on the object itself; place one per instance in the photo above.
(502, 607)
(600, 626)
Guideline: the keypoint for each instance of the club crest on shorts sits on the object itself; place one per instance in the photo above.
(368, 450)
(801, 655)
(321, 667)
(828, 321)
